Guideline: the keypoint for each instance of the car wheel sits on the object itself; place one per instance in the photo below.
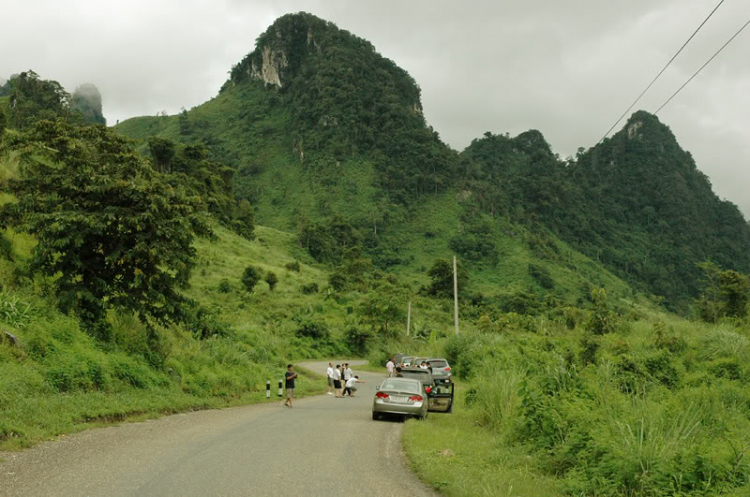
(375, 416)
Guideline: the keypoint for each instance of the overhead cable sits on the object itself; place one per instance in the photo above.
(703, 66)
(661, 72)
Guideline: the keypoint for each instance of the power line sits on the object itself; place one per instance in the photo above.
(704, 65)
(661, 72)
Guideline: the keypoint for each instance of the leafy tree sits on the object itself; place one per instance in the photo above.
(382, 310)
(163, 151)
(250, 277)
(272, 280)
(111, 231)
(32, 98)
(441, 274)
(602, 320)
(734, 293)
(244, 221)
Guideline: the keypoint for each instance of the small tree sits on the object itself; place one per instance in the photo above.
(251, 277)
(271, 279)
(441, 274)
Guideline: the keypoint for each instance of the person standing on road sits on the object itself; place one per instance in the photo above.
(348, 373)
(329, 374)
(337, 381)
(389, 366)
(289, 378)
(350, 385)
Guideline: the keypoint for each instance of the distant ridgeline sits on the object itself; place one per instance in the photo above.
(325, 132)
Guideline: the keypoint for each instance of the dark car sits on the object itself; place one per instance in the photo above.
(440, 395)
(441, 370)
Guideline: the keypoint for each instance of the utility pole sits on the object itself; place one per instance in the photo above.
(455, 294)
(408, 319)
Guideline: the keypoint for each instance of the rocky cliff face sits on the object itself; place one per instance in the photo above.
(270, 67)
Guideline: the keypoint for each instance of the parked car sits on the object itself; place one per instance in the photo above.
(400, 396)
(398, 359)
(440, 395)
(405, 361)
(441, 370)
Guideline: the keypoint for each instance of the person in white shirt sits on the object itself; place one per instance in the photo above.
(348, 373)
(337, 380)
(329, 374)
(350, 385)
(389, 366)
(423, 365)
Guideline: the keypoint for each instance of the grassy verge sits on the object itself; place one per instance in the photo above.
(451, 453)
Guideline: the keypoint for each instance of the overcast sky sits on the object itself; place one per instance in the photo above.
(566, 67)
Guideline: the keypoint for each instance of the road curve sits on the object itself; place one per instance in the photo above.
(324, 446)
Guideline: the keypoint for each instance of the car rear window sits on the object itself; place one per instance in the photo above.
(438, 363)
(420, 374)
(402, 386)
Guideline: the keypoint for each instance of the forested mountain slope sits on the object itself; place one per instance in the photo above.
(318, 126)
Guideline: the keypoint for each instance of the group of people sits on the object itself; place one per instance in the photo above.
(341, 380)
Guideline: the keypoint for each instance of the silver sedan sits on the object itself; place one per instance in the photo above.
(400, 396)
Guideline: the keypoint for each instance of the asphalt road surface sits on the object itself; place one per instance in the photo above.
(324, 446)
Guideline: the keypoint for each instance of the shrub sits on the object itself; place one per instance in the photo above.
(357, 338)
(542, 276)
(251, 277)
(272, 280)
(293, 266)
(205, 323)
(225, 286)
(312, 329)
(309, 288)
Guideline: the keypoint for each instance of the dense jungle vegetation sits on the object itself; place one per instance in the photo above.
(603, 298)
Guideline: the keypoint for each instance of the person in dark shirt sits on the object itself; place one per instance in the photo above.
(289, 378)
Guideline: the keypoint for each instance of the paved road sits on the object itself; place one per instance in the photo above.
(324, 446)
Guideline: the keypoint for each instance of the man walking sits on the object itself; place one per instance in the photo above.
(389, 366)
(289, 378)
(329, 373)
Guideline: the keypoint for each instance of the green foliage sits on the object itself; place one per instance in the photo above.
(32, 98)
(441, 274)
(383, 311)
(111, 231)
(358, 338)
(329, 241)
(15, 312)
(163, 151)
(250, 277)
(309, 288)
(602, 320)
(542, 276)
(272, 280)
(225, 286)
(293, 266)
(725, 293)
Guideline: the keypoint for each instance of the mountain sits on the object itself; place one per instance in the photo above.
(324, 132)
(637, 203)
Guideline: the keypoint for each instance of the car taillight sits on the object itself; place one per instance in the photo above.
(448, 368)
(416, 398)
(381, 395)
(428, 389)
